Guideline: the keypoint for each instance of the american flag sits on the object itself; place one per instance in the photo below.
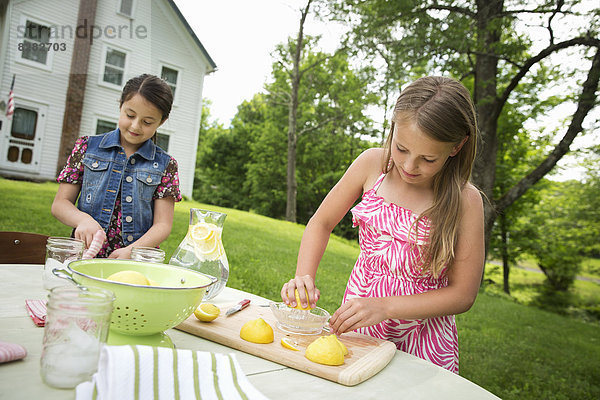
(10, 108)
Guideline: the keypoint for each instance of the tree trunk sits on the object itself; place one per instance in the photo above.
(77, 81)
(290, 207)
(505, 258)
(486, 101)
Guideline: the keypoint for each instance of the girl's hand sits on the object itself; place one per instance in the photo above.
(301, 283)
(86, 230)
(123, 253)
(357, 313)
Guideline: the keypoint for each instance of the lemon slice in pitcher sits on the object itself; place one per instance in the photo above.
(201, 231)
(206, 238)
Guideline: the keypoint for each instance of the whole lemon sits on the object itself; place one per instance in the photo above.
(132, 277)
(325, 350)
(257, 331)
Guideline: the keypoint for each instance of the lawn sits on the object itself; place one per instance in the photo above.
(513, 350)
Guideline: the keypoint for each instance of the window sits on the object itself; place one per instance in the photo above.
(22, 134)
(114, 66)
(34, 38)
(162, 141)
(170, 76)
(23, 124)
(103, 126)
(126, 7)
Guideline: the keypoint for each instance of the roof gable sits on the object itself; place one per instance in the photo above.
(193, 35)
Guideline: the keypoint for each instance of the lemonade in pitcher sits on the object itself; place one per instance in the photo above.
(202, 249)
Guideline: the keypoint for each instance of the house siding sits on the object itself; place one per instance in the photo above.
(39, 86)
(154, 37)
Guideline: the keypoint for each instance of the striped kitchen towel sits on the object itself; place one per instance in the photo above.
(147, 372)
(97, 242)
(37, 311)
(11, 352)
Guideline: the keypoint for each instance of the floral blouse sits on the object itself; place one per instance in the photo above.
(73, 173)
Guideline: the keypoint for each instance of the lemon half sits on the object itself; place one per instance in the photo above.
(207, 312)
(326, 350)
(342, 345)
(257, 331)
(298, 304)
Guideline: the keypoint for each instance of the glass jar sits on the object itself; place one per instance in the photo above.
(59, 252)
(202, 249)
(148, 254)
(76, 328)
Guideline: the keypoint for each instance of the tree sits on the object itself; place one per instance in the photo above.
(298, 64)
(245, 166)
(219, 160)
(330, 126)
(483, 43)
(516, 153)
(561, 229)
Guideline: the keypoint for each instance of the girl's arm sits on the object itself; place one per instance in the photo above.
(63, 209)
(316, 235)
(464, 278)
(164, 209)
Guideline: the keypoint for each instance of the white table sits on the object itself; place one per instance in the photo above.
(405, 377)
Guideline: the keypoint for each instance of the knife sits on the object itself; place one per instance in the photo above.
(239, 306)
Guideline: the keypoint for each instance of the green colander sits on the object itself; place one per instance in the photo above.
(143, 310)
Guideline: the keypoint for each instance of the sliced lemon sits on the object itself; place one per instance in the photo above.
(206, 238)
(298, 304)
(289, 343)
(207, 312)
(201, 231)
(132, 277)
(257, 331)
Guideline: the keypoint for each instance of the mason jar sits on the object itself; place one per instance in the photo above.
(59, 252)
(148, 254)
(76, 328)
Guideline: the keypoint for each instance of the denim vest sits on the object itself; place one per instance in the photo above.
(107, 168)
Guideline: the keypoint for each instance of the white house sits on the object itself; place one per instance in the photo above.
(70, 60)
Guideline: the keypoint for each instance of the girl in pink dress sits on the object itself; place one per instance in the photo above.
(420, 222)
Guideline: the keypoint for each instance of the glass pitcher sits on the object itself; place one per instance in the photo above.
(202, 249)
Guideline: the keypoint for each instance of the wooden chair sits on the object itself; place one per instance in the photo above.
(22, 248)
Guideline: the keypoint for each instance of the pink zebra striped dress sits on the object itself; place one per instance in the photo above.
(386, 266)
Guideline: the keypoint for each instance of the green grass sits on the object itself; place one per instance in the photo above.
(527, 287)
(520, 352)
(513, 350)
(261, 251)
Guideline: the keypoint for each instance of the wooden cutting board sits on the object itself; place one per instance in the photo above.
(366, 355)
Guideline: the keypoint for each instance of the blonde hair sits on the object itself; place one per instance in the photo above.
(442, 109)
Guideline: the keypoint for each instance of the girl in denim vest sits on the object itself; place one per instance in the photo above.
(124, 185)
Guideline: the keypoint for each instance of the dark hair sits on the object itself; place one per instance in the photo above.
(153, 89)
